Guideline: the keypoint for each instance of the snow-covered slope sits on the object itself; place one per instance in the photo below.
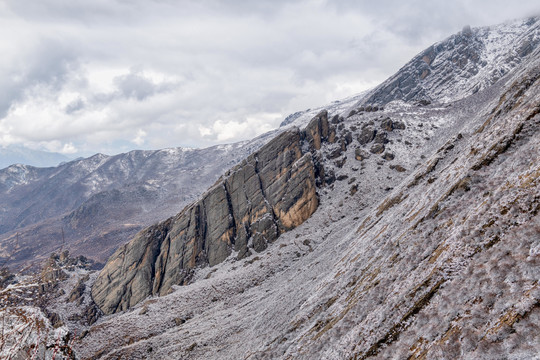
(460, 65)
(439, 261)
(425, 243)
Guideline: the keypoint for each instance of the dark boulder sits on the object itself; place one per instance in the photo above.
(377, 149)
(367, 135)
(360, 154)
(381, 137)
(388, 156)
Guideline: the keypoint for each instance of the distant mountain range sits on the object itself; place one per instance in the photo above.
(92, 205)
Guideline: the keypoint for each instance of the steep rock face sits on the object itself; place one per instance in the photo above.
(435, 256)
(93, 205)
(269, 193)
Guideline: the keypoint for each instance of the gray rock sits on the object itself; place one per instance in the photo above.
(330, 177)
(360, 154)
(398, 168)
(78, 290)
(347, 138)
(269, 193)
(335, 153)
(317, 130)
(387, 124)
(54, 318)
(381, 137)
(398, 125)
(367, 135)
(340, 162)
(377, 149)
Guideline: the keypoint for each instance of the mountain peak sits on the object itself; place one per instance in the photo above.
(460, 65)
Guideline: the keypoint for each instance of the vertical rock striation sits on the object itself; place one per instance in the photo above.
(269, 193)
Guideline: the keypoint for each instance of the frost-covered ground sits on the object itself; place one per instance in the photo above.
(27, 334)
(433, 253)
(461, 65)
(439, 261)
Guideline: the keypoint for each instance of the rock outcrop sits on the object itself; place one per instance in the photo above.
(269, 193)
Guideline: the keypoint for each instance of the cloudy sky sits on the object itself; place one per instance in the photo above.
(87, 76)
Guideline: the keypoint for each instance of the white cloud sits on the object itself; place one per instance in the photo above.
(195, 73)
(139, 138)
(232, 130)
(68, 149)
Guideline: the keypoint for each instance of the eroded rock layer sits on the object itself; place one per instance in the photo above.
(270, 192)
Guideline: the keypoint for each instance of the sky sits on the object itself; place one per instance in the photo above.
(80, 77)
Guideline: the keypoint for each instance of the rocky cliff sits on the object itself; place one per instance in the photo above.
(425, 241)
(94, 205)
(269, 193)
(440, 261)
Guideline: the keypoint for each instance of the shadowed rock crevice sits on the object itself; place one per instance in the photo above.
(270, 192)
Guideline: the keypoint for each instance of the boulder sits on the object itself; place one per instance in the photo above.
(377, 148)
(317, 130)
(367, 135)
(398, 125)
(387, 124)
(347, 138)
(381, 137)
(398, 168)
(340, 162)
(388, 156)
(360, 154)
(77, 292)
(335, 153)
(330, 177)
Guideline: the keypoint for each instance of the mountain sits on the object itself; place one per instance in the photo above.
(459, 66)
(91, 206)
(11, 155)
(402, 223)
(269, 193)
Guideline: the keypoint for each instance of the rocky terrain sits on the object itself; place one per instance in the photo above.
(459, 66)
(91, 206)
(270, 192)
(402, 223)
